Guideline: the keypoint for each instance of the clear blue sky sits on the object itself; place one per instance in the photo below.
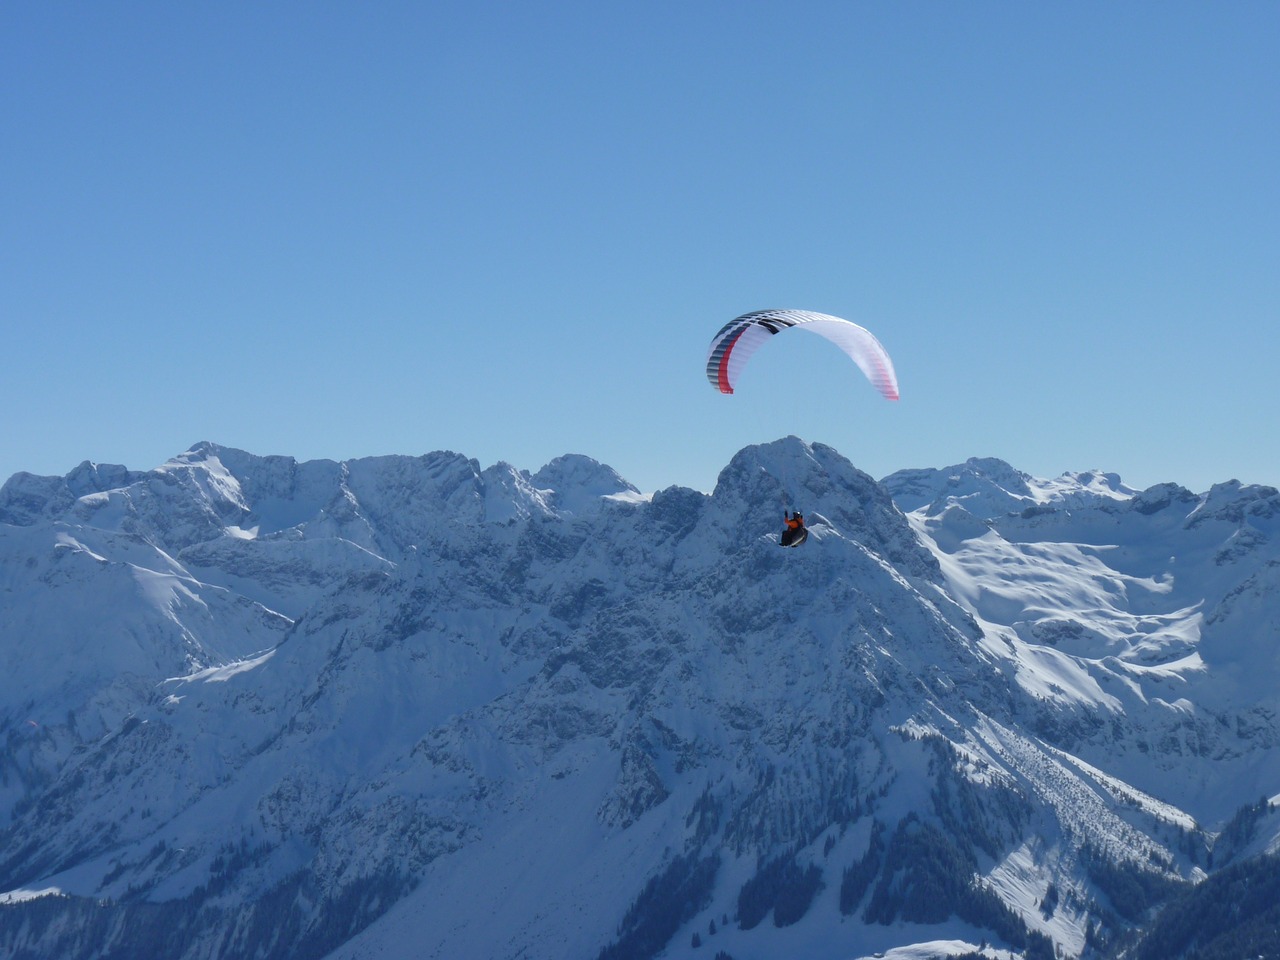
(510, 230)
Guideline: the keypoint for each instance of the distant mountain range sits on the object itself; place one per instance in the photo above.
(409, 707)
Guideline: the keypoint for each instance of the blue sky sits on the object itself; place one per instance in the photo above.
(510, 230)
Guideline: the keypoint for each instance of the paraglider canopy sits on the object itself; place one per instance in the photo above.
(738, 339)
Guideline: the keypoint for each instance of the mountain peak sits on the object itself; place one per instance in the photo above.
(201, 451)
(578, 484)
(764, 480)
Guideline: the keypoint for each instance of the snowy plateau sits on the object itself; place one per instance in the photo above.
(406, 707)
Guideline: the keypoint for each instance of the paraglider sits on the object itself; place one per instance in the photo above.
(796, 532)
(738, 339)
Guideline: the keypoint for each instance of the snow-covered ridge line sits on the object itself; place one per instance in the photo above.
(988, 487)
(248, 496)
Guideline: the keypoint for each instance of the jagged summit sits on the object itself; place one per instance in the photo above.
(790, 474)
(578, 484)
(225, 490)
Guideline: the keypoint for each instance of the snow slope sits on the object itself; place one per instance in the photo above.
(1154, 613)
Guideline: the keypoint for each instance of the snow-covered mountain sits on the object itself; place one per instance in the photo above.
(409, 707)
